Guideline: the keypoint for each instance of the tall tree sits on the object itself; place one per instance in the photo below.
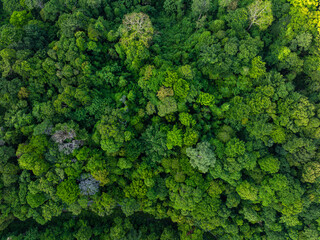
(260, 14)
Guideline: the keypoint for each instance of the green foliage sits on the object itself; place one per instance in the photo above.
(181, 88)
(68, 191)
(206, 99)
(190, 137)
(111, 130)
(225, 133)
(235, 148)
(186, 119)
(202, 157)
(237, 19)
(35, 200)
(174, 138)
(104, 205)
(311, 172)
(258, 68)
(136, 25)
(174, 8)
(155, 141)
(200, 7)
(167, 106)
(136, 32)
(247, 191)
(269, 164)
(124, 163)
(31, 156)
(260, 14)
(20, 18)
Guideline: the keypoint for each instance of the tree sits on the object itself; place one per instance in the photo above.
(181, 88)
(247, 191)
(68, 191)
(11, 5)
(190, 137)
(84, 232)
(225, 3)
(174, 8)
(136, 26)
(164, 92)
(35, 200)
(225, 133)
(20, 18)
(9, 173)
(103, 205)
(250, 214)
(136, 33)
(258, 68)
(91, 3)
(167, 106)
(311, 172)
(88, 185)
(10, 35)
(269, 164)
(34, 4)
(51, 10)
(31, 156)
(309, 233)
(174, 137)
(202, 157)
(155, 143)
(186, 119)
(129, 206)
(200, 7)
(260, 14)
(124, 163)
(235, 148)
(238, 19)
(206, 99)
(186, 198)
(70, 23)
(66, 147)
(110, 130)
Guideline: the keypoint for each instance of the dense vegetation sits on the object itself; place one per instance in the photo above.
(160, 119)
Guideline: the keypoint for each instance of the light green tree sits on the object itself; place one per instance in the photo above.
(31, 156)
(260, 14)
(202, 157)
(20, 18)
(247, 191)
(174, 137)
(269, 164)
(68, 191)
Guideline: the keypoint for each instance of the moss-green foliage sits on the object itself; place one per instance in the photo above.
(68, 191)
(202, 114)
(247, 191)
(269, 164)
(35, 200)
(174, 138)
(31, 156)
(201, 157)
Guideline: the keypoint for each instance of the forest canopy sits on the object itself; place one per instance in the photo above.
(160, 119)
